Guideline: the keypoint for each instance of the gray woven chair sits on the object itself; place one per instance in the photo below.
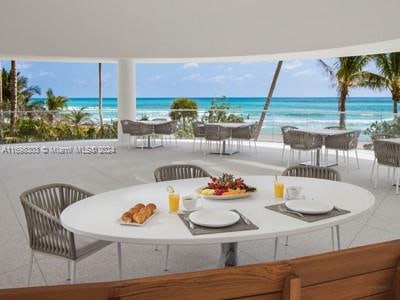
(313, 172)
(334, 127)
(303, 141)
(136, 129)
(43, 206)
(286, 139)
(177, 172)
(218, 134)
(245, 133)
(159, 119)
(199, 132)
(343, 142)
(387, 154)
(379, 136)
(166, 129)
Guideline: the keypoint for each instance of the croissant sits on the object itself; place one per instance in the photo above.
(139, 206)
(139, 218)
(126, 217)
(151, 206)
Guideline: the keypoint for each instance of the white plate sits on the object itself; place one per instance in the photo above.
(214, 218)
(312, 207)
(137, 224)
(225, 197)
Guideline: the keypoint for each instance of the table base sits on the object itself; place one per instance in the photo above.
(224, 152)
(150, 145)
(229, 255)
(321, 164)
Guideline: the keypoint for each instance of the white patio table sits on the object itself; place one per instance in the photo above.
(97, 216)
(153, 123)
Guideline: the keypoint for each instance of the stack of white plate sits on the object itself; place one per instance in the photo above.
(214, 218)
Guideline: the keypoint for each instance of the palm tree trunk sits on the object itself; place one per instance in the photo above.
(269, 97)
(342, 108)
(14, 97)
(395, 100)
(100, 99)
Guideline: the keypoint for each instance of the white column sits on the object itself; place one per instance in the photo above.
(126, 94)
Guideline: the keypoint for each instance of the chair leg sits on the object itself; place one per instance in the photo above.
(119, 260)
(287, 241)
(289, 156)
(358, 163)
(276, 249)
(376, 176)
(30, 268)
(339, 246)
(69, 270)
(73, 271)
(397, 181)
(373, 169)
(283, 152)
(255, 146)
(166, 258)
(194, 144)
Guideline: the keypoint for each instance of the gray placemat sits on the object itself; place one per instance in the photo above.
(282, 209)
(199, 230)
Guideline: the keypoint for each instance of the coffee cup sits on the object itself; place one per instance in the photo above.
(293, 192)
(189, 202)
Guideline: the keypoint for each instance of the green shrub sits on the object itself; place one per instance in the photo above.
(386, 128)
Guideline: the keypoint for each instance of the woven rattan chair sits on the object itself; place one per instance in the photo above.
(334, 127)
(218, 134)
(177, 172)
(313, 172)
(199, 132)
(285, 136)
(387, 154)
(166, 129)
(245, 133)
(43, 206)
(379, 136)
(343, 142)
(303, 141)
(159, 119)
(136, 129)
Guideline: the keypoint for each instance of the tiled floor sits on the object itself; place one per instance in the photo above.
(98, 173)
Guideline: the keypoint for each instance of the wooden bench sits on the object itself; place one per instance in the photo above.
(369, 273)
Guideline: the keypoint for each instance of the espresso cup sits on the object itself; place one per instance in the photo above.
(189, 202)
(293, 192)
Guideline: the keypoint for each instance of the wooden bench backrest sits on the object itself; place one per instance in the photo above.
(371, 272)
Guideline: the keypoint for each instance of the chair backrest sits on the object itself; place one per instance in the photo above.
(136, 127)
(165, 128)
(216, 132)
(334, 127)
(304, 140)
(387, 153)
(43, 206)
(198, 129)
(285, 133)
(176, 172)
(243, 132)
(312, 172)
(343, 141)
(368, 272)
(160, 119)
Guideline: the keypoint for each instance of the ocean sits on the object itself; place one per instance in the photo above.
(301, 112)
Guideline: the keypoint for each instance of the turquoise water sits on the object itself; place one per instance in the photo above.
(306, 111)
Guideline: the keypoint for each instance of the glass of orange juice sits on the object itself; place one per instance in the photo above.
(278, 189)
(173, 199)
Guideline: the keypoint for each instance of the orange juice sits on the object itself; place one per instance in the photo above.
(173, 199)
(278, 189)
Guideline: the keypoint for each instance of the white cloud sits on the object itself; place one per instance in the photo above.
(225, 78)
(244, 77)
(229, 69)
(291, 65)
(156, 77)
(305, 72)
(190, 65)
(219, 78)
(45, 74)
(23, 66)
(194, 76)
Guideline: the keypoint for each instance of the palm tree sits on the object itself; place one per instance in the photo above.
(389, 75)
(100, 98)
(1, 103)
(13, 97)
(54, 103)
(78, 118)
(346, 73)
(269, 97)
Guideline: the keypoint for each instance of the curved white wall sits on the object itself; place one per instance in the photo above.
(187, 29)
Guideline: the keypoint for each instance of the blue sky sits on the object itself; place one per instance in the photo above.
(297, 79)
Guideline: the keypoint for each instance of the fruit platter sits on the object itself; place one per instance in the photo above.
(226, 187)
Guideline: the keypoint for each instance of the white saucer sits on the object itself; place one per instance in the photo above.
(190, 210)
(301, 197)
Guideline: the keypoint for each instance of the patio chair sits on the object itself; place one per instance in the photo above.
(303, 141)
(387, 154)
(313, 172)
(285, 135)
(167, 129)
(343, 142)
(159, 119)
(177, 172)
(198, 133)
(218, 134)
(43, 206)
(136, 129)
(380, 136)
(334, 127)
(245, 133)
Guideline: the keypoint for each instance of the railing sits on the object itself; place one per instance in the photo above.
(69, 124)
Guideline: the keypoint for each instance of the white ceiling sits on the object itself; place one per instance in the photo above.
(171, 30)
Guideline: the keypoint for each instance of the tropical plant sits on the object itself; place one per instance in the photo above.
(346, 73)
(269, 98)
(218, 113)
(183, 110)
(383, 128)
(78, 118)
(53, 104)
(100, 96)
(388, 76)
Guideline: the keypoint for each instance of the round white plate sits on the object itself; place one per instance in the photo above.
(225, 197)
(214, 218)
(312, 207)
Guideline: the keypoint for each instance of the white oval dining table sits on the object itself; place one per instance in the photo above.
(97, 216)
